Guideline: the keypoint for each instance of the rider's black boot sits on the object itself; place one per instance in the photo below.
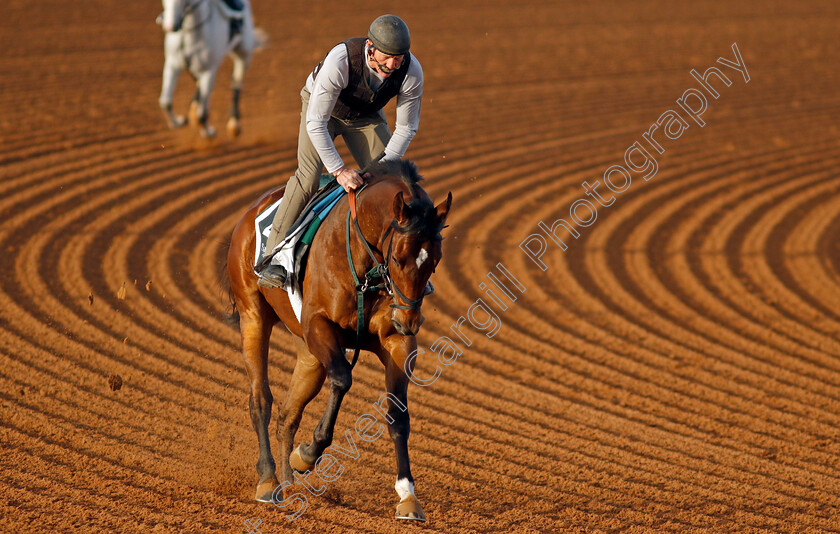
(235, 28)
(272, 276)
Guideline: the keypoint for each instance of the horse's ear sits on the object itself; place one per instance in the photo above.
(442, 209)
(400, 209)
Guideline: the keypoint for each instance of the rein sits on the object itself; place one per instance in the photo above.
(379, 272)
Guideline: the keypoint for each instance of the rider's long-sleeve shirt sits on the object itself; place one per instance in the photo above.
(332, 78)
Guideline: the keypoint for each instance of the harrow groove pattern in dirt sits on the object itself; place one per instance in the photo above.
(675, 369)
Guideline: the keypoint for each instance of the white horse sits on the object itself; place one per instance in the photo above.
(198, 38)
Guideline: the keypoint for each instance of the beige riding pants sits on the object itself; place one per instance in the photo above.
(366, 138)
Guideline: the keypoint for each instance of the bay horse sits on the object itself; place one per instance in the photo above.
(198, 37)
(399, 236)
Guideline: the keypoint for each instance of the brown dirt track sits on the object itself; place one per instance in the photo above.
(677, 369)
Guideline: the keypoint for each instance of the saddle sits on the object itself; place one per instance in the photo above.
(320, 206)
(293, 251)
(233, 11)
(234, 8)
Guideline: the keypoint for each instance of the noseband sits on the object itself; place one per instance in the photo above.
(378, 277)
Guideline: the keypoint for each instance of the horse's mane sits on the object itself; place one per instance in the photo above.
(423, 218)
(403, 169)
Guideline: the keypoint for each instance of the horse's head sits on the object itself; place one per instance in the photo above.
(415, 251)
(174, 12)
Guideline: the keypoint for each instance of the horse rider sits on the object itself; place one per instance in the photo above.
(344, 95)
(235, 22)
(235, 13)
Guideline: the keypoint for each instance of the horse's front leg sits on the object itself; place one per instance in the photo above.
(396, 349)
(307, 379)
(206, 81)
(323, 340)
(171, 69)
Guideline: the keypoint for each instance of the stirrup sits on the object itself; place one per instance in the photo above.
(272, 276)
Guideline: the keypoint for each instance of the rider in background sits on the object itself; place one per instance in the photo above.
(235, 22)
(344, 96)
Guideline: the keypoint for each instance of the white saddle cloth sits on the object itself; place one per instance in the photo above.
(284, 252)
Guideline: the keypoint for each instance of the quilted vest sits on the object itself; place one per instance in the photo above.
(358, 99)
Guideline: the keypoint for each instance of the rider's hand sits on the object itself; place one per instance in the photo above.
(349, 179)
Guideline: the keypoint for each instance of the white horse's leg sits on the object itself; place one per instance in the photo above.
(240, 64)
(171, 70)
(206, 81)
(192, 115)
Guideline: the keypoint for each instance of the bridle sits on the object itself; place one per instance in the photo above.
(378, 277)
(380, 269)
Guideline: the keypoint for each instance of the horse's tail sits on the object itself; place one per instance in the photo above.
(260, 38)
(231, 313)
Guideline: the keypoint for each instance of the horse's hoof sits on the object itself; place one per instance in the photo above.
(208, 133)
(178, 121)
(297, 461)
(233, 127)
(410, 509)
(193, 113)
(265, 490)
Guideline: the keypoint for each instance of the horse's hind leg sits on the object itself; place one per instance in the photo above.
(255, 325)
(240, 64)
(307, 379)
(206, 81)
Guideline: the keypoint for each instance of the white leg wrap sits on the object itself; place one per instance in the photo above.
(404, 488)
